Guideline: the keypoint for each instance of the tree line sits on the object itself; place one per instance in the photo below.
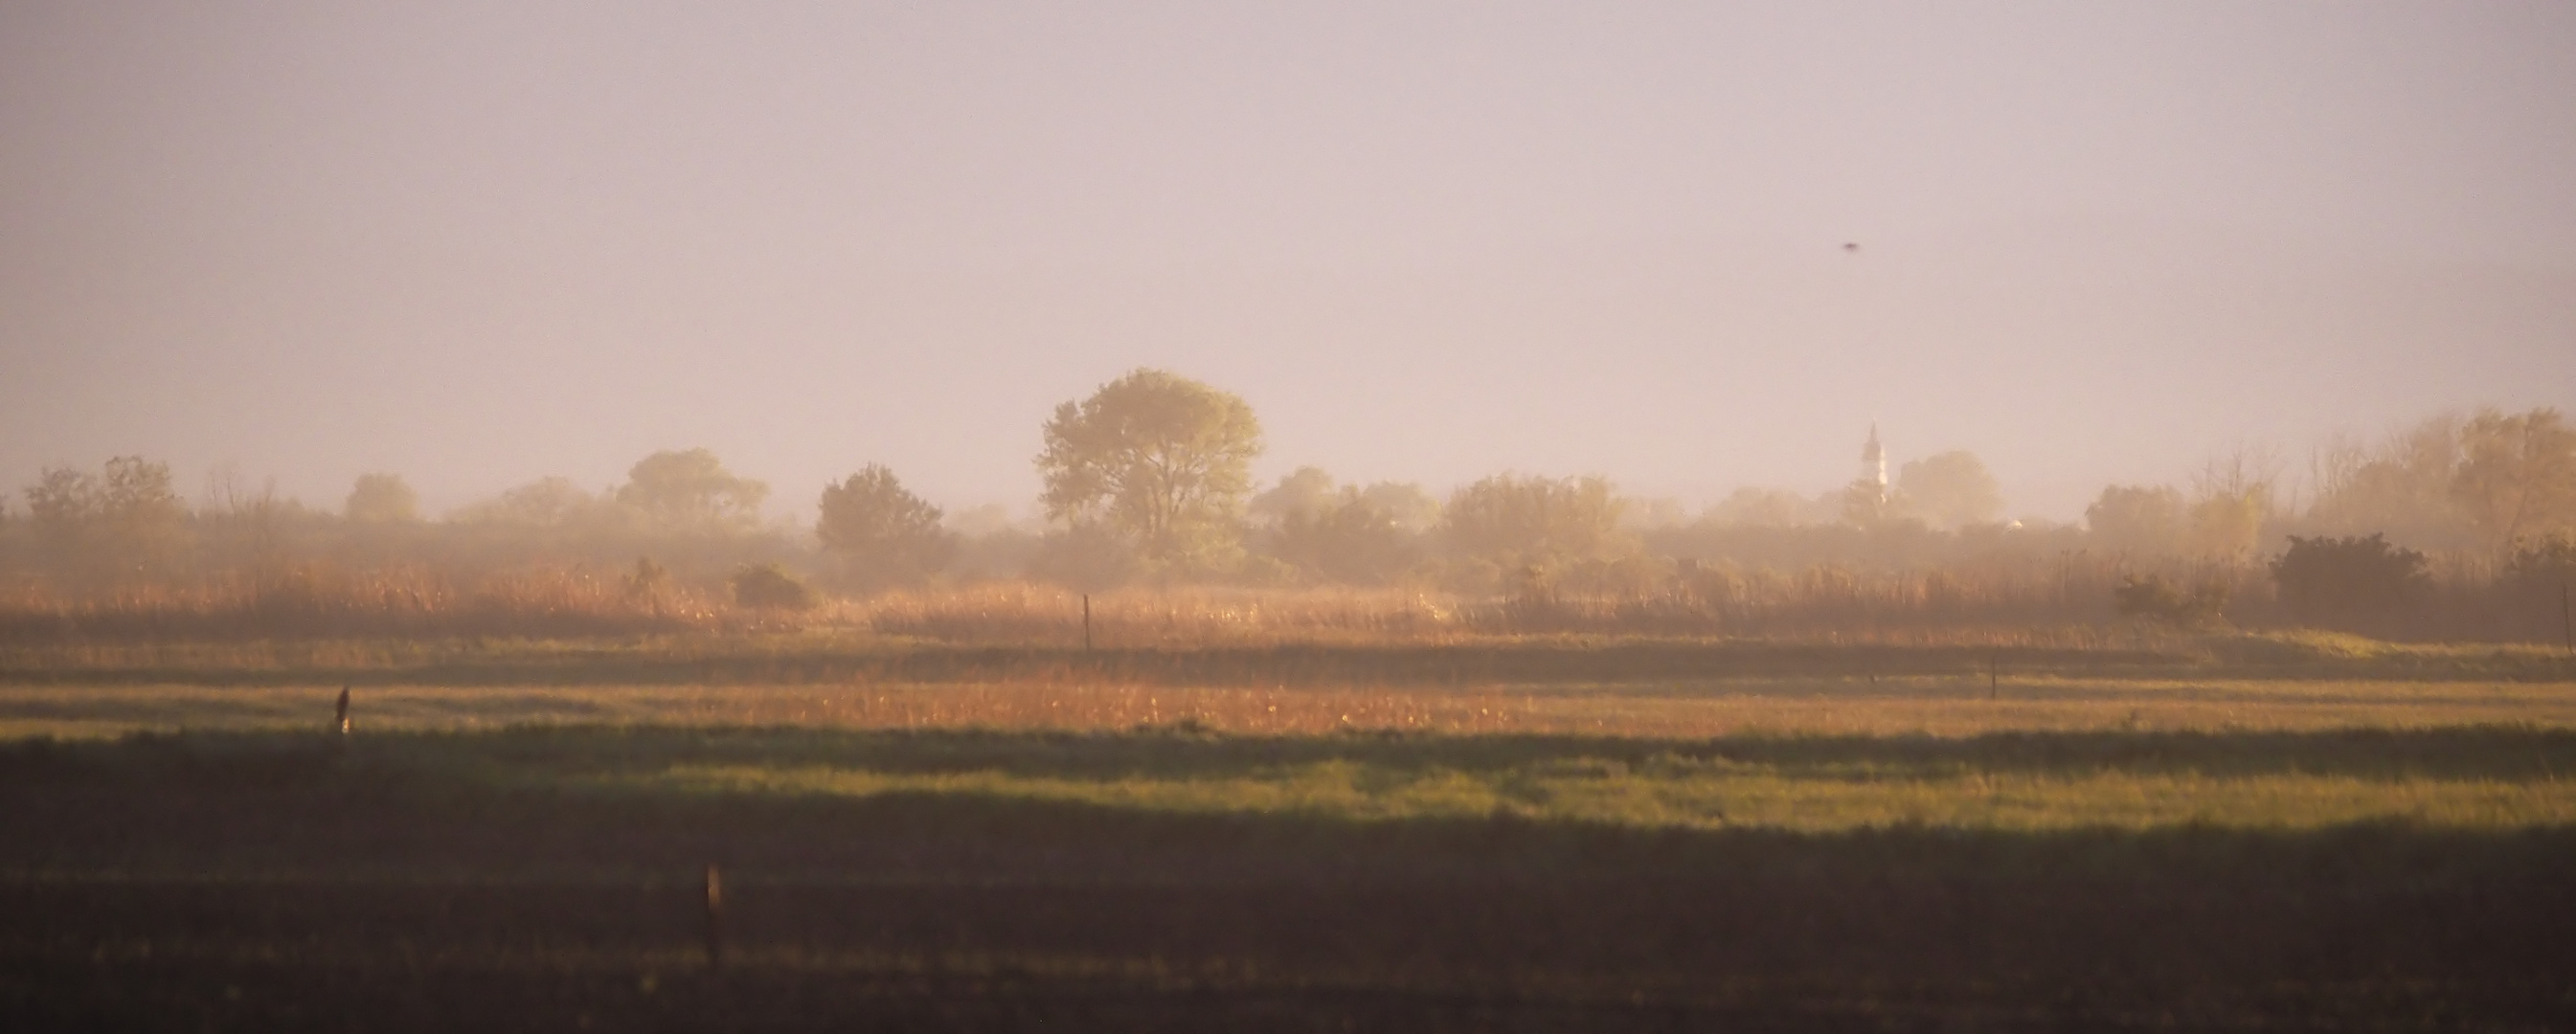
(1147, 480)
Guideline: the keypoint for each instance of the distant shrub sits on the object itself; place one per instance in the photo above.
(2550, 561)
(769, 587)
(2137, 519)
(2346, 579)
(123, 521)
(691, 489)
(2535, 589)
(382, 499)
(1347, 538)
(884, 534)
(2154, 597)
(1501, 529)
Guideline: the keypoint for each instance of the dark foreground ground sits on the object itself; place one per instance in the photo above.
(1672, 955)
(274, 883)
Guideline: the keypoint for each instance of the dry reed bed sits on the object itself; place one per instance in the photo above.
(320, 602)
(836, 659)
(1823, 604)
(1898, 611)
(416, 602)
(829, 662)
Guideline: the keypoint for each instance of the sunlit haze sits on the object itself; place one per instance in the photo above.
(1686, 246)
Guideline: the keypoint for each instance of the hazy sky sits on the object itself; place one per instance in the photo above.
(476, 244)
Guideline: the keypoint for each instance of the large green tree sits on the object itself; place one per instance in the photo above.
(1160, 458)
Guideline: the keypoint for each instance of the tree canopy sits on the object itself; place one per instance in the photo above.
(1160, 458)
(1951, 490)
(1510, 520)
(553, 501)
(2137, 518)
(1347, 533)
(884, 534)
(2517, 473)
(125, 518)
(382, 499)
(690, 488)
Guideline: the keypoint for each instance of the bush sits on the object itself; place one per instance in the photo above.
(2345, 580)
(1507, 523)
(2534, 590)
(2154, 597)
(769, 587)
(2549, 561)
(884, 534)
(1347, 539)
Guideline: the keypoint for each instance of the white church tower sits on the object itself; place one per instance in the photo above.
(1865, 499)
(1873, 462)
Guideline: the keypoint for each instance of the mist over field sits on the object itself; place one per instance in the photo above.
(1282, 516)
(1686, 249)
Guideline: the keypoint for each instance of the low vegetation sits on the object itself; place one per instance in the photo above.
(1022, 859)
(1193, 755)
(2462, 529)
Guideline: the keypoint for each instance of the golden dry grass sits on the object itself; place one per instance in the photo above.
(1023, 613)
(320, 600)
(1671, 791)
(1788, 754)
(1938, 706)
(317, 601)
(1033, 614)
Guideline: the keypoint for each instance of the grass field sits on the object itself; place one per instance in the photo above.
(1527, 834)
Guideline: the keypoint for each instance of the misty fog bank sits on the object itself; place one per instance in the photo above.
(1147, 484)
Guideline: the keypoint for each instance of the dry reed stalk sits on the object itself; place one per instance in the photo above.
(311, 601)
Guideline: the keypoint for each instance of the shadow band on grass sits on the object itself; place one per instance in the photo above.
(545, 756)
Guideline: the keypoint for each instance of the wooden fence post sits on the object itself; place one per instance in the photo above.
(342, 718)
(1086, 622)
(715, 917)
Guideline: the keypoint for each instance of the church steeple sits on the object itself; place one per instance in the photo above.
(1873, 461)
(1865, 499)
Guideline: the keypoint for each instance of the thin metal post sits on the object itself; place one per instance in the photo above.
(2566, 624)
(1086, 622)
(1994, 675)
(342, 718)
